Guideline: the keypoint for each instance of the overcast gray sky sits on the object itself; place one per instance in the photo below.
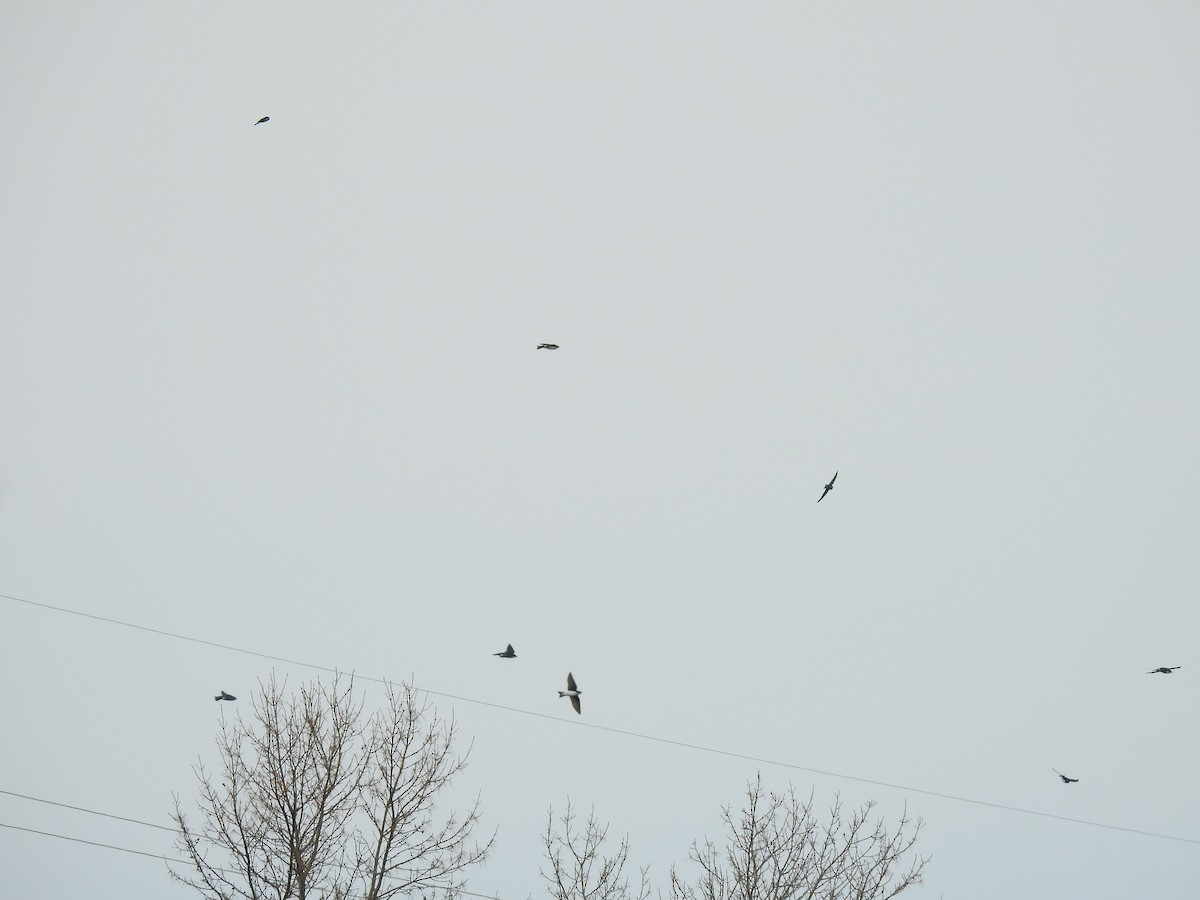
(276, 387)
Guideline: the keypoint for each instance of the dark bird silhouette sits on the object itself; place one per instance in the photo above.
(572, 692)
(828, 487)
(263, 119)
(1065, 779)
(506, 653)
(1166, 670)
(224, 696)
(547, 346)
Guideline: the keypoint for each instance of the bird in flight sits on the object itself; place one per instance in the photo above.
(506, 653)
(224, 696)
(828, 487)
(572, 692)
(547, 346)
(263, 119)
(1065, 779)
(1166, 670)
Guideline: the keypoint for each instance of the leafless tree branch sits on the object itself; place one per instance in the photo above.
(578, 867)
(318, 800)
(779, 848)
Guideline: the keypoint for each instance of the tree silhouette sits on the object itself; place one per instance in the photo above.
(778, 848)
(578, 867)
(317, 799)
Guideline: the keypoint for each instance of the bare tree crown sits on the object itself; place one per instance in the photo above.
(316, 799)
(777, 847)
(579, 869)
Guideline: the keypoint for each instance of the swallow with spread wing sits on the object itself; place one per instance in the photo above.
(828, 487)
(573, 692)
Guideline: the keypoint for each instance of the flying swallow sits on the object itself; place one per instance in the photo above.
(1166, 670)
(1065, 779)
(263, 119)
(506, 653)
(224, 696)
(547, 346)
(828, 487)
(572, 692)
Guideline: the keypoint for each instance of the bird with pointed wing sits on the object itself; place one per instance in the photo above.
(573, 692)
(828, 487)
(506, 653)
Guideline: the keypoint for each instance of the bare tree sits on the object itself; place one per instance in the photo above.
(314, 799)
(778, 849)
(579, 869)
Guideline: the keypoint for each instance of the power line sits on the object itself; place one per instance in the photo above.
(729, 754)
(96, 812)
(181, 637)
(165, 859)
(90, 843)
(93, 812)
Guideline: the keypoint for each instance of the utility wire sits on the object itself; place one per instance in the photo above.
(94, 812)
(729, 754)
(90, 843)
(165, 859)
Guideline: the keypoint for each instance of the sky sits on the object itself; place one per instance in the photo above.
(275, 387)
